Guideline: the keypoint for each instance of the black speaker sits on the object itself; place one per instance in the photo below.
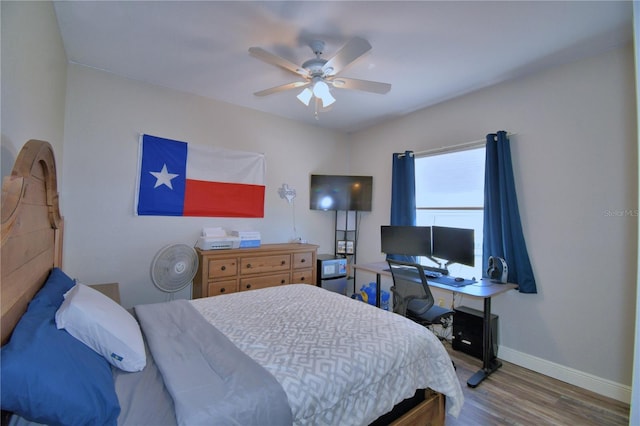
(467, 332)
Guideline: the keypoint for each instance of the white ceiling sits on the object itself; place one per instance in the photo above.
(430, 51)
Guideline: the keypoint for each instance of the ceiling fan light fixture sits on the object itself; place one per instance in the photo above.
(321, 91)
(305, 96)
(327, 100)
(320, 88)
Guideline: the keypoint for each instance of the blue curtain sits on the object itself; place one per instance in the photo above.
(403, 194)
(502, 227)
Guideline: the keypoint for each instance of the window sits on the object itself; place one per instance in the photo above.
(450, 192)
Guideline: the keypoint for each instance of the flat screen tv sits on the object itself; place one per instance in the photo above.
(337, 192)
(406, 240)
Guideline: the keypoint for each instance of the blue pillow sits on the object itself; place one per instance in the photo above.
(48, 376)
(52, 293)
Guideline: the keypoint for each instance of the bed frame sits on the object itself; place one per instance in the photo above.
(32, 230)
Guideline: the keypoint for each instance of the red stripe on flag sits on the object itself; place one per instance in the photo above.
(203, 198)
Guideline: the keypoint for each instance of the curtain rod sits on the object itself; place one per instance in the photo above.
(452, 148)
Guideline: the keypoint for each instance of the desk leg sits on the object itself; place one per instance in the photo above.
(354, 281)
(488, 365)
(378, 290)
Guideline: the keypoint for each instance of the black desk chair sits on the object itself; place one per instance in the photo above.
(412, 297)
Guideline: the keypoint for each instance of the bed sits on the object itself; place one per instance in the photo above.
(294, 354)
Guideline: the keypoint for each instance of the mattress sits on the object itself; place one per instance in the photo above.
(339, 361)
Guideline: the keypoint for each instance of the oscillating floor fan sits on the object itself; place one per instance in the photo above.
(174, 267)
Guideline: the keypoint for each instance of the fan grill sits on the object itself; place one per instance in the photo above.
(174, 267)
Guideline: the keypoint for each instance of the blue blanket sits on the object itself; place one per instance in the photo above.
(210, 380)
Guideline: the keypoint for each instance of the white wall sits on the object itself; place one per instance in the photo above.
(34, 67)
(575, 165)
(105, 242)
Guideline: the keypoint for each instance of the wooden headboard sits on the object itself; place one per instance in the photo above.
(31, 230)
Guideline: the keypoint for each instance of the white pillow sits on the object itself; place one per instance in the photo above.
(104, 326)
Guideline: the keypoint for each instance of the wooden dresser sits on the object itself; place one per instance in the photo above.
(228, 271)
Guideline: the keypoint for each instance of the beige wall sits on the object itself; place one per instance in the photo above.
(105, 242)
(34, 72)
(634, 417)
(575, 165)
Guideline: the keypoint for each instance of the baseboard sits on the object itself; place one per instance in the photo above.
(584, 380)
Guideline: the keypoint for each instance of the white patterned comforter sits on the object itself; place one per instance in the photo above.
(339, 361)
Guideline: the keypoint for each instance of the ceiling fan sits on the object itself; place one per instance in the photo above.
(320, 75)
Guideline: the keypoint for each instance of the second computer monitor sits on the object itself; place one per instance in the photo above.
(454, 245)
(406, 240)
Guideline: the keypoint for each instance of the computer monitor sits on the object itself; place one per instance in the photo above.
(406, 240)
(453, 245)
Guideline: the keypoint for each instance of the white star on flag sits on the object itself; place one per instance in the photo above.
(163, 177)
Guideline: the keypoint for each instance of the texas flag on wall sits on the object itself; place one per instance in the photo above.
(183, 179)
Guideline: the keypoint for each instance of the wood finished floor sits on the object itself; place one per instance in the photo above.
(516, 396)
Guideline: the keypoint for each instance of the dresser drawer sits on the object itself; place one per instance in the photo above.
(302, 276)
(261, 264)
(264, 281)
(221, 268)
(303, 260)
(217, 288)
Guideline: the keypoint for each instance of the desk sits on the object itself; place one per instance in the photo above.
(485, 289)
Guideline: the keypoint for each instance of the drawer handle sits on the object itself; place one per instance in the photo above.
(248, 265)
(303, 260)
(248, 286)
(223, 268)
(283, 262)
(282, 281)
(302, 278)
(222, 290)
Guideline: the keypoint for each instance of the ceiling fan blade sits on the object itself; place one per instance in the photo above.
(270, 58)
(282, 88)
(351, 51)
(365, 85)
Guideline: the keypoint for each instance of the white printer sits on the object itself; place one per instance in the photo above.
(217, 239)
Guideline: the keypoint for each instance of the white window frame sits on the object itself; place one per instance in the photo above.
(461, 216)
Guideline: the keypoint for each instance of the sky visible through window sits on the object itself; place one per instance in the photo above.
(450, 192)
